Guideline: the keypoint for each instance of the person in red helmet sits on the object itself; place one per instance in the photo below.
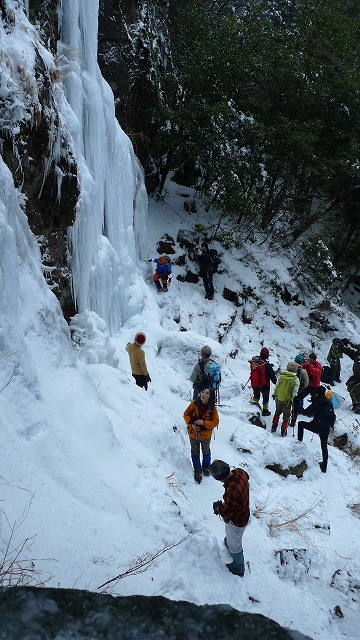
(137, 361)
(261, 374)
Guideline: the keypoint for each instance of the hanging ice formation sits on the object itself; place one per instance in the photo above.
(104, 243)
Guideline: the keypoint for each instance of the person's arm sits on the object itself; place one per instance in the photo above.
(195, 376)
(142, 363)
(295, 390)
(213, 421)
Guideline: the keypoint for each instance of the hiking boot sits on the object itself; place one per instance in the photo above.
(283, 433)
(234, 570)
(206, 471)
(322, 467)
(210, 297)
(206, 296)
(273, 428)
(198, 476)
(255, 401)
(266, 412)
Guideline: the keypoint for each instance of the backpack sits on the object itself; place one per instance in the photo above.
(285, 387)
(215, 258)
(164, 267)
(212, 373)
(257, 372)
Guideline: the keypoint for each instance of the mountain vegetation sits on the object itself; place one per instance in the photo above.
(259, 108)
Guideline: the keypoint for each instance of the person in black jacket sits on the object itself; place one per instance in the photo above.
(323, 420)
(206, 269)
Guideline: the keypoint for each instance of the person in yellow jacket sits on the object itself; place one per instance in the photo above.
(137, 361)
(201, 418)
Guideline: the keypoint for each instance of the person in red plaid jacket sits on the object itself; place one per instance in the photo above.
(234, 510)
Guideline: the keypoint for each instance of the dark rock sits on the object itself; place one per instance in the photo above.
(188, 239)
(231, 296)
(166, 245)
(280, 324)
(190, 206)
(189, 277)
(28, 612)
(254, 418)
(341, 441)
(297, 470)
(285, 295)
(338, 612)
(180, 260)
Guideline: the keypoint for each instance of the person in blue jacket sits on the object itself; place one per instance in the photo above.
(163, 272)
(323, 420)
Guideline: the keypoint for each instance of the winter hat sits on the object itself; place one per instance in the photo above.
(320, 391)
(292, 366)
(313, 356)
(140, 338)
(219, 469)
(162, 260)
(345, 341)
(264, 353)
(299, 359)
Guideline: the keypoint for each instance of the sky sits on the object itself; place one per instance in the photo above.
(96, 473)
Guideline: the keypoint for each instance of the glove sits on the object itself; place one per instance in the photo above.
(216, 505)
(148, 379)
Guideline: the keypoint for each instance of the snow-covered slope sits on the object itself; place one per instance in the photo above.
(97, 469)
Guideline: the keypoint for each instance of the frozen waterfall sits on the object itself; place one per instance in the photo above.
(104, 245)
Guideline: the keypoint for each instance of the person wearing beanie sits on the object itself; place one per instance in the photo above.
(201, 418)
(198, 376)
(314, 369)
(234, 509)
(322, 411)
(333, 358)
(304, 383)
(137, 361)
(163, 272)
(261, 374)
(285, 391)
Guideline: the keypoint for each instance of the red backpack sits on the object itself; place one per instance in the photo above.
(257, 372)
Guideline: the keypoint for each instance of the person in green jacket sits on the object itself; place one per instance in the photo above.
(285, 391)
(333, 358)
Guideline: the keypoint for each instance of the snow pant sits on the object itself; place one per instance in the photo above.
(309, 426)
(309, 391)
(141, 381)
(282, 408)
(195, 445)
(335, 370)
(208, 282)
(353, 387)
(163, 278)
(233, 536)
(297, 404)
(264, 391)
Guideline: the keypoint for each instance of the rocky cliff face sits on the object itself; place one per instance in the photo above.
(133, 49)
(70, 614)
(29, 134)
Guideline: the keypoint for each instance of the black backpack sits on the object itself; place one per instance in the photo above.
(215, 258)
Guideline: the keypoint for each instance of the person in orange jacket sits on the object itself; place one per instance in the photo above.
(201, 418)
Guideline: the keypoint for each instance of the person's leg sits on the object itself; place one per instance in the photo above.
(141, 381)
(157, 280)
(324, 450)
(211, 285)
(206, 285)
(313, 393)
(195, 458)
(233, 536)
(265, 396)
(206, 456)
(301, 426)
(338, 371)
(256, 396)
(333, 371)
(286, 418)
(277, 414)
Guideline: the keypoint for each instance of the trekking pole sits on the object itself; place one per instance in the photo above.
(292, 416)
(246, 383)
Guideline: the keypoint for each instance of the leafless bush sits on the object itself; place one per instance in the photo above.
(281, 518)
(143, 563)
(17, 567)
